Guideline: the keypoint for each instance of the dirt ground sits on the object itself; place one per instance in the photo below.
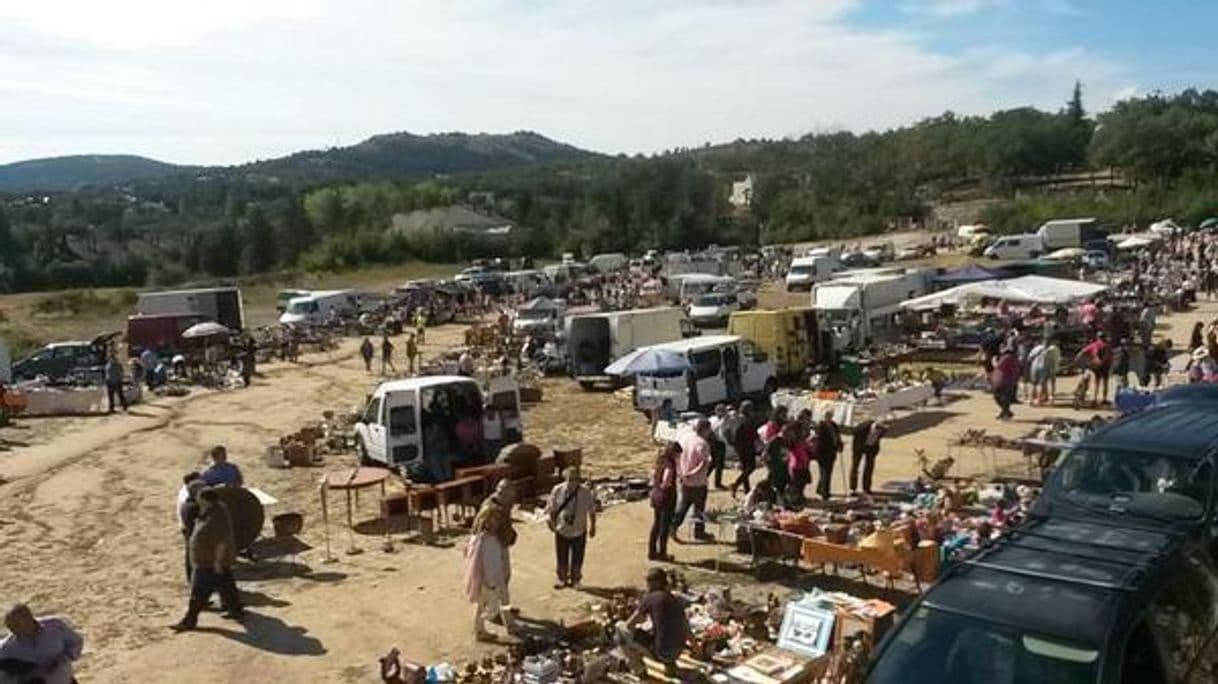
(88, 528)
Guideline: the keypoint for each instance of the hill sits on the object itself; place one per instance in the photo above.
(75, 171)
(389, 156)
(405, 155)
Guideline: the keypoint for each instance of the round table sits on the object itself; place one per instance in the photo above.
(348, 481)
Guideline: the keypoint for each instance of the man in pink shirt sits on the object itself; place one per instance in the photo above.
(692, 469)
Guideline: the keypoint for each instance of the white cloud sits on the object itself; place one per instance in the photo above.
(228, 81)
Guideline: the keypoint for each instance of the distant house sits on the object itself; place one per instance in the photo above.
(453, 219)
(742, 193)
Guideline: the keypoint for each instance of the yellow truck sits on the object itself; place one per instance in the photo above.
(791, 337)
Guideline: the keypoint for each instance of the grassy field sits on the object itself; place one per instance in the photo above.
(29, 320)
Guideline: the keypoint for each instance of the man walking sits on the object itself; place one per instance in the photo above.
(213, 552)
(367, 351)
(387, 355)
(42, 648)
(572, 518)
(692, 470)
(828, 446)
(114, 381)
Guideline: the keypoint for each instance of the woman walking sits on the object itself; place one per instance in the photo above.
(663, 501)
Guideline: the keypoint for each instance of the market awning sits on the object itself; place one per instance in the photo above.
(967, 274)
(1029, 289)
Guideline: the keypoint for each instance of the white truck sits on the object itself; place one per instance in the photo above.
(805, 271)
(1062, 233)
(220, 304)
(317, 307)
(595, 340)
(857, 303)
(723, 368)
(430, 425)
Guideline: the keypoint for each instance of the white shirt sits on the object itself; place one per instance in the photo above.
(572, 521)
(57, 643)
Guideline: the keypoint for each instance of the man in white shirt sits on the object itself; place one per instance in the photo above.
(39, 649)
(571, 513)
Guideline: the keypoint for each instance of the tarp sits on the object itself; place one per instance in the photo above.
(967, 274)
(649, 361)
(1029, 289)
(1135, 243)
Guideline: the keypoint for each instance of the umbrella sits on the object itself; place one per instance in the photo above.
(649, 361)
(1211, 222)
(1067, 253)
(205, 329)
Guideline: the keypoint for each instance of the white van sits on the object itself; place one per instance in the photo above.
(806, 271)
(607, 263)
(431, 425)
(595, 340)
(1024, 246)
(684, 287)
(725, 368)
(316, 308)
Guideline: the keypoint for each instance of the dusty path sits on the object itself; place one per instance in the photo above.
(88, 530)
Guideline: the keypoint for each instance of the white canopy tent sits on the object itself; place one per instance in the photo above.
(1136, 242)
(1029, 289)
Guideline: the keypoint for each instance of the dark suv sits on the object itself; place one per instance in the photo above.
(1071, 600)
(1112, 580)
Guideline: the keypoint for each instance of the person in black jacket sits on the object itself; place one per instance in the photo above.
(864, 448)
(828, 446)
(744, 442)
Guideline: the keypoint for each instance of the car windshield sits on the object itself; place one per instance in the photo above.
(302, 307)
(713, 299)
(802, 270)
(936, 646)
(534, 314)
(1134, 482)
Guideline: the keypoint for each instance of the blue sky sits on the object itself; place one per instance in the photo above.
(228, 81)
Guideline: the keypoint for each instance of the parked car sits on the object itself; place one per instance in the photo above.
(712, 309)
(1096, 260)
(858, 260)
(76, 361)
(907, 253)
(1075, 599)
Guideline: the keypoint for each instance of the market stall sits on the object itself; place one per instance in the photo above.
(853, 408)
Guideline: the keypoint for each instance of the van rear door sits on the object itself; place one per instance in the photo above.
(401, 425)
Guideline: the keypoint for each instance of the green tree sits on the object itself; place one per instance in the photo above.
(258, 254)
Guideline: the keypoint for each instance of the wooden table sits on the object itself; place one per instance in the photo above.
(350, 481)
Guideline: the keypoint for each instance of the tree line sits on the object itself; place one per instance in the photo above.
(825, 185)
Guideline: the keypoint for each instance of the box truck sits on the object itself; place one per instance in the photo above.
(220, 304)
(791, 337)
(1062, 233)
(595, 340)
(857, 303)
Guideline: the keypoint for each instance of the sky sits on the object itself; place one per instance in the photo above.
(230, 81)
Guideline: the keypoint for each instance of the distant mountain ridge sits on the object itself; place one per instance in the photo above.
(387, 156)
(66, 173)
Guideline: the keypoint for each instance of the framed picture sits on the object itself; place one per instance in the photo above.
(806, 630)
